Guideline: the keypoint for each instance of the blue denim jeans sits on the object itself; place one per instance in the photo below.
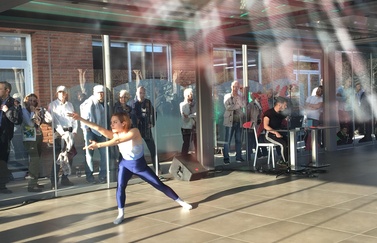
(89, 135)
(229, 131)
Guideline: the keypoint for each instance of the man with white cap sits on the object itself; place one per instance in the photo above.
(64, 126)
(93, 110)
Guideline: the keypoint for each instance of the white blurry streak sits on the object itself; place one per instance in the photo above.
(267, 48)
(372, 99)
(323, 37)
(344, 39)
(162, 10)
(285, 51)
(358, 66)
(341, 32)
(208, 22)
(284, 47)
(250, 3)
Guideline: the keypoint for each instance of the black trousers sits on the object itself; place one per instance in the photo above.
(4, 147)
(188, 135)
(148, 138)
(4, 157)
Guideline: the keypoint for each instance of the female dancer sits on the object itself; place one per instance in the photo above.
(131, 147)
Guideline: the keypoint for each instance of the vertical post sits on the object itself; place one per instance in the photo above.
(260, 67)
(314, 141)
(52, 124)
(108, 84)
(245, 78)
(293, 149)
(329, 99)
(154, 129)
(204, 117)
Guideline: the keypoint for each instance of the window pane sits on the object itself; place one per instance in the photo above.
(12, 48)
(16, 78)
(223, 64)
(152, 64)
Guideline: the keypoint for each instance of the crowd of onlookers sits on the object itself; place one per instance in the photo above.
(29, 115)
(231, 111)
(353, 104)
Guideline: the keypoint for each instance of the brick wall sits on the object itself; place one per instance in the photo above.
(62, 54)
(183, 61)
(68, 53)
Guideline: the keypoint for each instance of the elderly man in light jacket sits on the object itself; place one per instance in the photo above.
(233, 119)
(188, 114)
(93, 110)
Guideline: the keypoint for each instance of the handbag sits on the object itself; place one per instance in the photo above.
(72, 152)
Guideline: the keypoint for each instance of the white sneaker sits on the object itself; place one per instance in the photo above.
(186, 206)
(118, 221)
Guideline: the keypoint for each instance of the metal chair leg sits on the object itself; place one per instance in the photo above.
(256, 155)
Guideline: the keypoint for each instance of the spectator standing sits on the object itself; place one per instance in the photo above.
(254, 111)
(77, 100)
(65, 129)
(313, 110)
(219, 109)
(313, 106)
(344, 96)
(293, 98)
(162, 106)
(121, 105)
(144, 119)
(363, 118)
(188, 115)
(33, 117)
(314, 91)
(9, 116)
(93, 110)
(270, 97)
(234, 103)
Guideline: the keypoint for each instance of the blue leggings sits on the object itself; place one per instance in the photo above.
(138, 167)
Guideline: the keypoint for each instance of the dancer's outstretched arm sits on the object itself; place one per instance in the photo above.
(115, 138)
(102, 130)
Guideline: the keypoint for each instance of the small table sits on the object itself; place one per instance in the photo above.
(314, 140)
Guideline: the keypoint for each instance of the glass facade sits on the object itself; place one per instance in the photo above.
(41, 62)
(78, 65)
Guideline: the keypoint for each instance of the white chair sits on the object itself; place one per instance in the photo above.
(270, 148)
